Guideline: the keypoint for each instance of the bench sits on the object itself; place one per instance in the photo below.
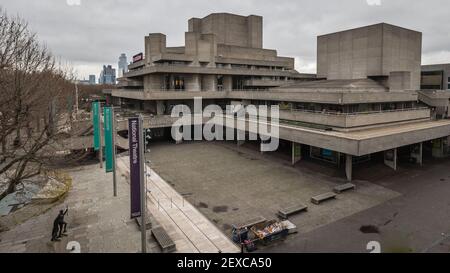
(286, 212)
(322, 197)
(163, 239)
(344, 187)
(251, 222)
(148, 222)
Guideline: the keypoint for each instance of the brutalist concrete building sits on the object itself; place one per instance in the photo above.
(364, 103)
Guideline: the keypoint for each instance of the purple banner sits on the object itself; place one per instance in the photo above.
(135, 183)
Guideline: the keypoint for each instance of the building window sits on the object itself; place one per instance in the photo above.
(220, 82)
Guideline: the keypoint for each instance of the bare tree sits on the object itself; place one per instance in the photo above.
(34, 108)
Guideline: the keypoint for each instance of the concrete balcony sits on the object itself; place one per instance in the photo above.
(314, 97)
(136, 65)
(189, 69)
(130, 83)
(354, 120)
(266, 83)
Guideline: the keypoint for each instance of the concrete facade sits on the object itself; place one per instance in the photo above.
(231, 29)
(372, 51)
(436, 77)
(366, 98)
(222, 51)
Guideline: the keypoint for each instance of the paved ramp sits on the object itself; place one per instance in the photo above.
(189, 229)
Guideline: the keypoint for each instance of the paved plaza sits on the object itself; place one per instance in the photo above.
(97, 220)
(231, 185)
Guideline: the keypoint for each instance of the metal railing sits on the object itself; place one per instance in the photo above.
(333, 113)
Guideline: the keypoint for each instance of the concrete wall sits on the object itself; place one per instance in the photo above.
(230, 29)
(209, 83)
(202, 48)
(317, 97)
(445, 68)
(152, 82)
(228, 51)
(155, 44)
(356, 120)
(193, 82)
(375, 50)
(400, 80)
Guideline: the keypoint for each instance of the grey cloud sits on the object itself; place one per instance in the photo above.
(97, 31)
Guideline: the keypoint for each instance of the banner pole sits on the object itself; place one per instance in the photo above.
(114, 130)
(143, 187)
(100, 151)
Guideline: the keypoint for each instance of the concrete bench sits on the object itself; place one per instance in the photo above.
(163, 239)
(148, 222)
(149, 219)
(322, 197)
(286, 212)
(251, 222)
(344, 187)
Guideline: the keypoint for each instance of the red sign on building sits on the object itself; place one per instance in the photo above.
(138, 57)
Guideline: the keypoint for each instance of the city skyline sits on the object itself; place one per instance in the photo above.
(290, 28)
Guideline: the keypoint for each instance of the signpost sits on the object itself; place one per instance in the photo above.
(98, 145)
(95, 123)
(137, 180)
(108, 129)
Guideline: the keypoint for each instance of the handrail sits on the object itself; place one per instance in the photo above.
(357, 113)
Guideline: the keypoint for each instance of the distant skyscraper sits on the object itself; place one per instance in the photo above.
(123, 65)
(108, 75)
(91, 79)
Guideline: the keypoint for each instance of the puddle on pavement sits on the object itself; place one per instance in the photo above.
(369, 229)
(219, 209)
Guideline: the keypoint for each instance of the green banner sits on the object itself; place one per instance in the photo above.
(96, 123)
(108, 129)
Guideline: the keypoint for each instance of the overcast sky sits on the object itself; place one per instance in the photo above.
(90, 33)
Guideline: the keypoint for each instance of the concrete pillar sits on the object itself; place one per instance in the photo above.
(260, 147)
(193, 83)
(296, 153)
(438, 148)
(338, 159)
(227, 83)
(240, 137)
(417, 154)
(178, 137)
(390, 158)
(155, 44)
(349, 167)
(209, 83)
(160, 107)
(152, 82)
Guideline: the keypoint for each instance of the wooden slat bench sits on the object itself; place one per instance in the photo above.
(322, 197)
(163, 239)
(251, 222)
(286, 212)
(344, 187)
